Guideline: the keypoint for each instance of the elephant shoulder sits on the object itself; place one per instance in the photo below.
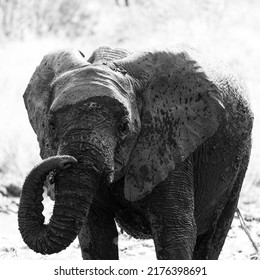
(232, 89)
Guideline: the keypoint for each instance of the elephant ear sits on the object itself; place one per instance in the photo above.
(181, 109)
(38, 94)
(106, 54)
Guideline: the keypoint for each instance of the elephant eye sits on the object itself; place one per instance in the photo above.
(52, 125)
(123, 128)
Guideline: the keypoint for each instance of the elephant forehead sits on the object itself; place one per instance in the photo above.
(84, 83)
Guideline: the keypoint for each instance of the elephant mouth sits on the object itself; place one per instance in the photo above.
(50, 185)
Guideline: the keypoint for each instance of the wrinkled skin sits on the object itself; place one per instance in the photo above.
(158, 141)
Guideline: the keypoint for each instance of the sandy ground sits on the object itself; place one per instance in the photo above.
(237, 245)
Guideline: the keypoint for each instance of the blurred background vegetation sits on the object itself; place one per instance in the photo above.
(228, 29)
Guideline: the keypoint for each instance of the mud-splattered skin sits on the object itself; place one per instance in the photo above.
(161, 140)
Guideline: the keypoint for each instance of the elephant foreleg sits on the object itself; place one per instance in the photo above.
(98, 237)
(171, 214)
(225, 220)
(209, 244)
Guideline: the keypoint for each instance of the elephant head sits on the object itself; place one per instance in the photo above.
(114, 116)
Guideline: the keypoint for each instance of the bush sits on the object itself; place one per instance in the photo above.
(21, 18)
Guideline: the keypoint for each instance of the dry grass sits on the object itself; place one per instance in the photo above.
(229, 29)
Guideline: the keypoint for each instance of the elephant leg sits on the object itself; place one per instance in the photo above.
(225, 220)
(202, 246)
(98, 236)
(209, 245)
(171, 214)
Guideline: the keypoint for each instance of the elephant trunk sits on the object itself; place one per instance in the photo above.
(75, 185)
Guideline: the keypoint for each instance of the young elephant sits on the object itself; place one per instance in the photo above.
(157, 140)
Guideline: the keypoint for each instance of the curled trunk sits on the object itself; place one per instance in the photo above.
(74, 189)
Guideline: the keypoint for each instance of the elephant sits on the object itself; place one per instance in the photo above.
(157, 141)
